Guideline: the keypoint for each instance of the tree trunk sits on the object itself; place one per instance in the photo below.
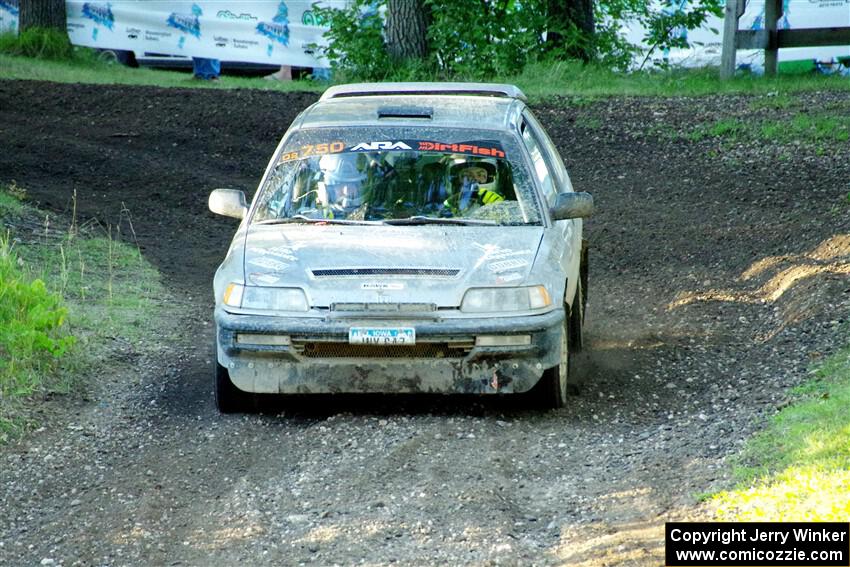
(571, 14)
(407, 29)
(42, 14)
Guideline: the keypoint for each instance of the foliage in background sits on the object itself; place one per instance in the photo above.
(666, 29)
(356, 42)
(477, 40)
(798, 469)
(38, 43)
(480, 40)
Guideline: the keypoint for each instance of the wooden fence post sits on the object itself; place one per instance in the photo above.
(772, 11)
(734, 9)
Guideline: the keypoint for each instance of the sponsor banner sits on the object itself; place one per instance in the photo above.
(274, 32)
(9, 16)
(484, 148)
(706, 43)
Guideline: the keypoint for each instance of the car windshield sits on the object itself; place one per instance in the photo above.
(363, 175)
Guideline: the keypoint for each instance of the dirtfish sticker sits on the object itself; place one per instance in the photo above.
(10, 6)
(187, 23)
(471, 148)
(278, 29)
(100, 14)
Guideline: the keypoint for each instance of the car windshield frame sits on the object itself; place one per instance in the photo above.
(498, 153)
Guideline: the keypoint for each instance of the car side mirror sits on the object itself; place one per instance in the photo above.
(228, 202)
(572, 206)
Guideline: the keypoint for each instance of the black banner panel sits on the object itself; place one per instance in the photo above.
(757, 544)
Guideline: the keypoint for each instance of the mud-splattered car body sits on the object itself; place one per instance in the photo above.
(478, 297)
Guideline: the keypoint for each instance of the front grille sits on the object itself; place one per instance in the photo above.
(384, 307)
(344, 350)
(420, 272)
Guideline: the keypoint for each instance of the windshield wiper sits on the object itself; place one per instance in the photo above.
(437, 220)
(308, 220)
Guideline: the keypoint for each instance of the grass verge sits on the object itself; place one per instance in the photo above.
(86, 299)
(798, 469)
(815, 127)
(92, 70)
(38, 43)
(539, 81)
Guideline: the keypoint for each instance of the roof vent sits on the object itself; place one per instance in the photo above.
(406, 113)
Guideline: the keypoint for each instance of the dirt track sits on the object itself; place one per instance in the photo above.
(717, 277)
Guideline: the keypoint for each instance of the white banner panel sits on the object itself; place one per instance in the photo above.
(797, 14)
(8, 16)
(254, 31)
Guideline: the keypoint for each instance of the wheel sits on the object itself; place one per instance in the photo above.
(553, 387)
(577, 321)
(583, 275)
(126, 58)
(229, 398)
(576, 324)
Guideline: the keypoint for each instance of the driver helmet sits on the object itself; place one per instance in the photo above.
(342, 179)
(481, 172)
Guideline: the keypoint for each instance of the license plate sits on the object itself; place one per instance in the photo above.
(382, 336)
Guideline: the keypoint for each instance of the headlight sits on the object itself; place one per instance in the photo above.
(265, 298)
(500, 299)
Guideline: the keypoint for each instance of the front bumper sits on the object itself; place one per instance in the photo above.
(445, 358)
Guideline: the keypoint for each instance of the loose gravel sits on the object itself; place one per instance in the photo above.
(719, 275)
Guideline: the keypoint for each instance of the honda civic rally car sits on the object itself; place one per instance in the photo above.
(405, 237)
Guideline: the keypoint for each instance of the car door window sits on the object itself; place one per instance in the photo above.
(541, 169)
(551, 155)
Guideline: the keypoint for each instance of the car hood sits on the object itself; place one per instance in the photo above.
(337, 264)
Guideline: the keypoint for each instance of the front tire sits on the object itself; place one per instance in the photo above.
(576, 325)
(553, 388)
(229, 398)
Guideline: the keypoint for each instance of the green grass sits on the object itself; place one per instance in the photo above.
(93, 71)
(38, 43)
(798, 469)
(11, 206)
(817, 126)
(809, 127)
(539, 81)
(571, 79)
(33, 337)
(112, 296)
(773, 102)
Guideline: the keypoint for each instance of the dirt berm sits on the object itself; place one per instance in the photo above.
(719, 274)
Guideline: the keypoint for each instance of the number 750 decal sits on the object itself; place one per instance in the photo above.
(313, 150)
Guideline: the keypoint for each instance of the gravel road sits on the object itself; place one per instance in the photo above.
(719, 274)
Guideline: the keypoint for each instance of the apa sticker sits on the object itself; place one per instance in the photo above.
(375, 146)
